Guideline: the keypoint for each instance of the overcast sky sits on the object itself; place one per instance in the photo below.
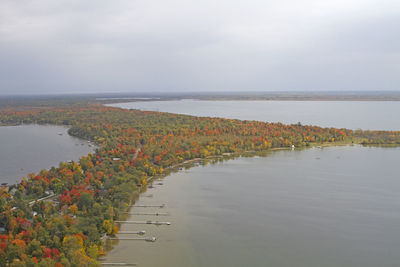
(70, 46)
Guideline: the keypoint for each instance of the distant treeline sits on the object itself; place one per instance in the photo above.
(22, 102)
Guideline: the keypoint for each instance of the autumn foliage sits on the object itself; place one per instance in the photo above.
(132, 146)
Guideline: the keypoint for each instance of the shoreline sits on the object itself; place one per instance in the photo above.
(171, 169)
(261, 97)
(24, 170)
(120, 138)
(182, 214)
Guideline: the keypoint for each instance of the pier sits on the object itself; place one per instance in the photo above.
(132, 232)
(147, 213)
(145, 222)
(147, 239)
(149, 206)
(117, 264)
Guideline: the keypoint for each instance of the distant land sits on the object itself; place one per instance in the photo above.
(305, 96)
(104, 98)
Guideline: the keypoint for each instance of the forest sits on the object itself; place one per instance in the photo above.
(90, 194)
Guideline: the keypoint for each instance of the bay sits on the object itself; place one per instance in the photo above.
(30, 148)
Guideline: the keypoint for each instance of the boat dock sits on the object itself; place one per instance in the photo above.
(132, 232)
(130, 235)
(117, 264)
(145, 222)
(149, 206)
(148, 239)
(146, 213)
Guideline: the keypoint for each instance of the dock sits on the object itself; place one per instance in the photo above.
(117, 264)
(147, 213)
(132, 232)
(147, 239)
(149, 206)
(145, 222)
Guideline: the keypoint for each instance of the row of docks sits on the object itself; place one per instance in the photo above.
(140, 234)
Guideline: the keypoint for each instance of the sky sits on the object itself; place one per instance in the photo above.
(82, 46)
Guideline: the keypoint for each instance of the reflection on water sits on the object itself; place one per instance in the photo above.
(335, 206)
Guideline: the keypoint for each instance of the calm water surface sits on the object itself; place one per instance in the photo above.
(335, 206)
(30, 148)
(372, 115)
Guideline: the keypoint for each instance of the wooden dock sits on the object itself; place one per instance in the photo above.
(147, 239)
(149, 206)
(145, 222)
(117, 264)
(147, 213)
(132, 232)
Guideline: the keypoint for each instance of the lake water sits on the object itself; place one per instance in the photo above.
(30, 148)
(373, 115)
(336, 206)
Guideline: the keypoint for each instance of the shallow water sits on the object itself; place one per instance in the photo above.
(336, 206)
(30, 148)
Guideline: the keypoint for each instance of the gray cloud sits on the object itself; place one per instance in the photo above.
(169, 45)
